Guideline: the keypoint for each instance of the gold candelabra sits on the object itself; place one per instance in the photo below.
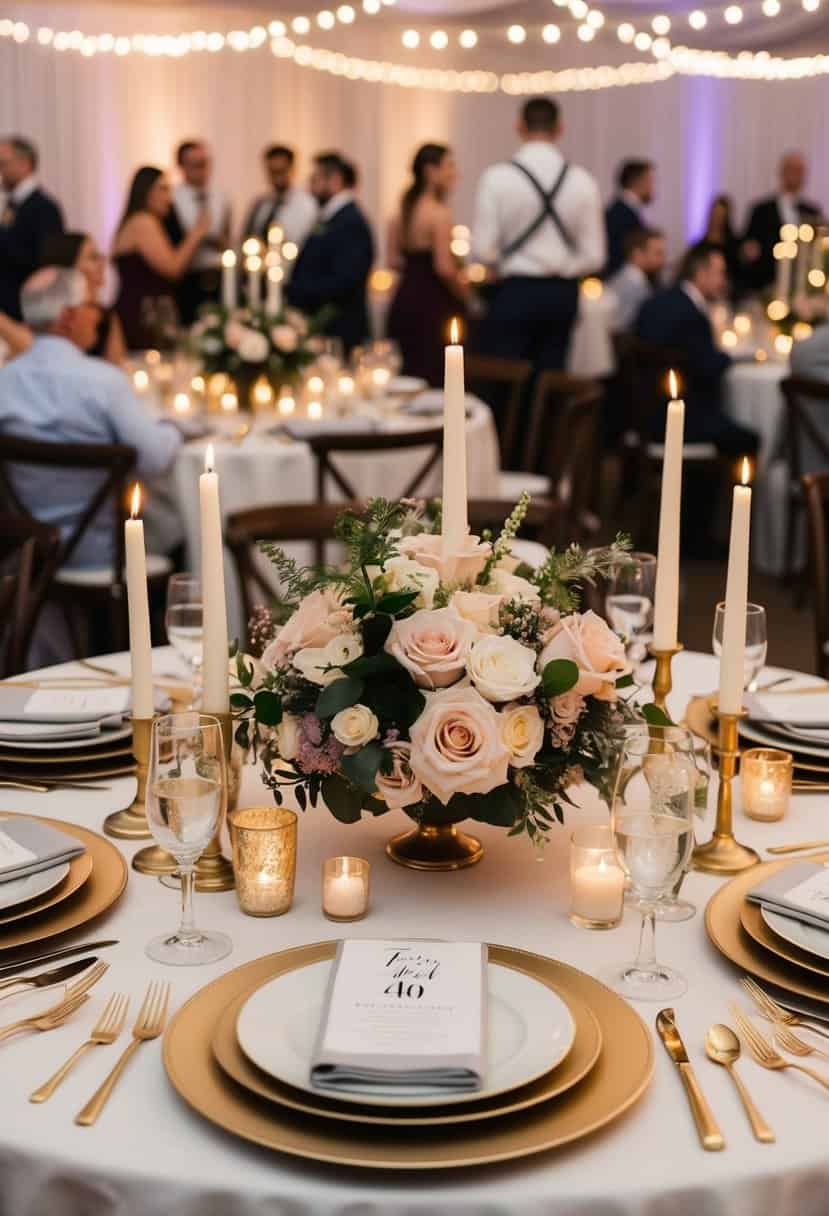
(213, 870)
(131, 824)
(662, 680)
(723, 854)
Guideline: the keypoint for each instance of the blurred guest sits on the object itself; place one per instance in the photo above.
(768, 216)
(294, 210)
(27, 216)
(56, 393)
(719, 231)
(639, 278)
(149, 264)
(809, 359)
(635, 191)
(431, 289)
(334, 263)
(193, 195)
(539, 222)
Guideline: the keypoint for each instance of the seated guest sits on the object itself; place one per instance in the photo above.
(294, 210)
(55, 393)
(28, 216)
(149, 264)
(201, 281)
(334, 263)
(768, 216)
(624, 214)
(639, 278)
(719, 231)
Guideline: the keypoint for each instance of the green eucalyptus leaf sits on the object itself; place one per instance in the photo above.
(397, 601)
(375, 630)
(268, 707)
(361, 766)
(340, 694)
(625, 681)
(343, 801)
(559, 675)
(240, 700)
(654, 716)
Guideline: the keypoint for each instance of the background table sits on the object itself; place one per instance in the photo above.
(151, 1154)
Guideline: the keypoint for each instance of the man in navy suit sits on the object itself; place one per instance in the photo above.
(624, 214)
(334, 263)
(27, 217)
(768, 216)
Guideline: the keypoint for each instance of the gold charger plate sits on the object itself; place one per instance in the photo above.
(67, 772)
(79, 870)
(104, 886)
(581, 1057)
(754, 925)
(618, 1078)
(27, 759)
(699, 721)
(724, 928)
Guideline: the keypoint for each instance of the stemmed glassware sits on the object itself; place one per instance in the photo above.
(186, 796)
(754, 656)
(183, 622)
(629, 603)
(651, 819)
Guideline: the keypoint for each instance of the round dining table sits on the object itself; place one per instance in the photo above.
(149, 1153)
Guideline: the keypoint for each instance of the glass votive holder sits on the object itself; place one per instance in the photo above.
(597, 882)
(766, 779)
(263, 845)
(345, 882)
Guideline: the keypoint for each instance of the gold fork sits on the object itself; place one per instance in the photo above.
(776, 1013)
(105, 1031)
(47, 1019)
(148, 1025)
(794, 1045)
(764, 1052)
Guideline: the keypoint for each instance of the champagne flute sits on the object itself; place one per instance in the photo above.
(754, 655)
(629, 602)
(651, 819)
(186, 796)
(183, 622)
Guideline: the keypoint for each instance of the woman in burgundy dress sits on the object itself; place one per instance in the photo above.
(148, 263)
(432, 289)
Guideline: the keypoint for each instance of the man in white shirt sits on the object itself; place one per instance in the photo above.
(295, 211)
(191, 197)
(767, 217)
(539, 223)
(638, 278)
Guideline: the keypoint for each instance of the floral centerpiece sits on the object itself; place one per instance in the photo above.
(467, 687)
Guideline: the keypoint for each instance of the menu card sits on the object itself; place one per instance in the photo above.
(404, 1013)
(28, 846)
(800, 891)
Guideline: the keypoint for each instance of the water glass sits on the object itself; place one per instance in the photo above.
(183, 620)
(629, 603)
(754, 658)
(186, 792)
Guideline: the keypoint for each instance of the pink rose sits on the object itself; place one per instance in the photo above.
(565, 711)
(457, 746)
(433, 644)
(461, 567)
(598, 653)
(480, 607)
(400, 787)
(285, 338)
(234, 333)
(317, 621)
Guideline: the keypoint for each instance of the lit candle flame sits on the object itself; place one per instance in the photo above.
(135, 506)
(673, 384)
(454, 331)
(209, 459)
(745, 471)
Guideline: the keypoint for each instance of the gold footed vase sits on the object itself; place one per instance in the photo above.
(435, 846)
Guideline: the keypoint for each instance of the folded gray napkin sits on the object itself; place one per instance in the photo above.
(800, 891)
(27, 846)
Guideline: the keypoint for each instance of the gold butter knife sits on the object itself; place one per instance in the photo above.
(796, 848)
(711, 1138)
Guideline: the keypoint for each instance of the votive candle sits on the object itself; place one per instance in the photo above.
(345, 888)
(766, 779)
(597, 883)
(264, 843)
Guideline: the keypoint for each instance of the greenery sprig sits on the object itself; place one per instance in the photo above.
(559, 577)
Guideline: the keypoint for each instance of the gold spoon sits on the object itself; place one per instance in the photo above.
(723, 1047)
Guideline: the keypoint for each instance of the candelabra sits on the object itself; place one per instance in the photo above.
(723, 854)
(662, 681)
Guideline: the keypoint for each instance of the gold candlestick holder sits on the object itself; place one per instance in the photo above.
(213, 870)
(662, 680)
(723, 854)
(131, 824)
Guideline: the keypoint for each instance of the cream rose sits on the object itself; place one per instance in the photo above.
(404, 574)
(287, 737)
(501, 668)
(479, 607)
(319, 618)
(285, 338)
(513, 587)
(355, 726)
(456, 745)
(598, 653)
(400, 787)
(522, 729)
(321, 664)
(432, 644)
(461, 567)
(253, 346)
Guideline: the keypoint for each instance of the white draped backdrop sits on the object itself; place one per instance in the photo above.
(97, 119)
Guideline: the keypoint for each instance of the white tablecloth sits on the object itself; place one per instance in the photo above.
(150, 1154)
(262, 470)
(591, 343)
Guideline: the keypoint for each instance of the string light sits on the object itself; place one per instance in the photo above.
(410, 39)
(586, 33)
(698, 20)
(595, 18)
(516, 34)
(468, 39)
(326, 19)
(551, 33)
(439, 40)
(733, 14)
(626, 32)
(661, 24)
(771, 8)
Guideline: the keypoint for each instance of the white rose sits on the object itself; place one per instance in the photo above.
(253, 346)
(233, 333)
(285, 338)
(287, 737)
(513, 587)
(522, 729)
(479, 607)
(501, 668)
(321, 664)
(403, 574)
(355, 726)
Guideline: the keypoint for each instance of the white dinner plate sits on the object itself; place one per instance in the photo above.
(403, 385)
(21, 890)
(805, 937)
(531, 1030)
(768, 736)
(103, 738)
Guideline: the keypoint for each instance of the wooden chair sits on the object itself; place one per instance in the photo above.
(815, 487)
(26, 549)
(806, 444)
(502, 384)
(83, 591)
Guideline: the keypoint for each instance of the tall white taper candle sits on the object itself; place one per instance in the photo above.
(455, 526)
(214, 660)
(732, 668)
(229, 280)
(666, 596)
(141, 654)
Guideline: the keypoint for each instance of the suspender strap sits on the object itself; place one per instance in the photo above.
(548, 211)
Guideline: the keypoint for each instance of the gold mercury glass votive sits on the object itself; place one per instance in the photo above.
(597, 882)
(766, 778)
(345, 882)
(263, 842)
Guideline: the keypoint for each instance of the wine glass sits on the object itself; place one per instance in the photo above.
(671, 908)
(651, 818)
(186, 795)
(754, 655)
(629, 602)
(183, 622)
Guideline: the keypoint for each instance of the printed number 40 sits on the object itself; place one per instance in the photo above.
(413, 991)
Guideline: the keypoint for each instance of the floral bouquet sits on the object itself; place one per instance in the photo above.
(451, 687)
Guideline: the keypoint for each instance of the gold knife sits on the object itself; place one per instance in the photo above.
(710, 1135)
